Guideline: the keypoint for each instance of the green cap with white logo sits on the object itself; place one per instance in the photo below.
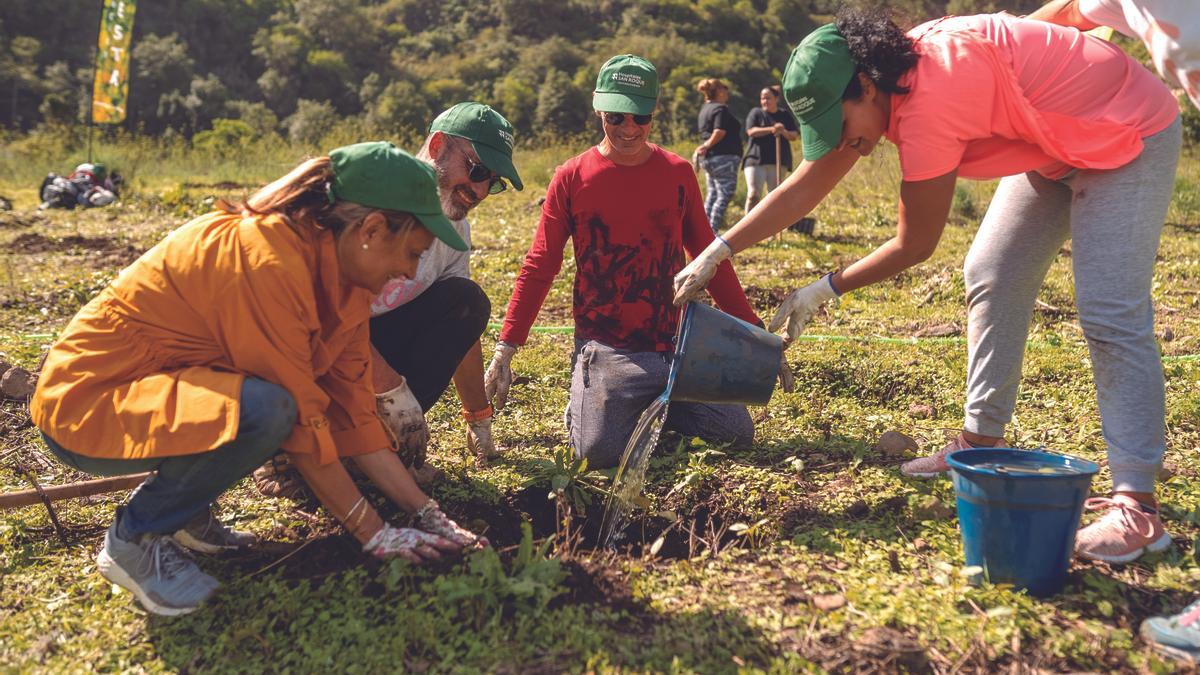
(381, 176)
(626, 84)
(489, 133)
(816, 76)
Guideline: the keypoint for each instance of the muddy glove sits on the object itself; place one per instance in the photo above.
(787, 381)
(691, 282)
(431, 519)
(499, 376)
(405, 421)
(479, 435)
(405, 542)
(800, 305)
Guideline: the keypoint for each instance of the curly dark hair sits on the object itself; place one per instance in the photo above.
(881, 50)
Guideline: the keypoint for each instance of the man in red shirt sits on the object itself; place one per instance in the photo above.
(630, 209)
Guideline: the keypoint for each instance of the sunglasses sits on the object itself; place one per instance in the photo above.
(617, 119)
(478, 173)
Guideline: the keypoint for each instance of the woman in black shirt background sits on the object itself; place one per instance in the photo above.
(721, 149)
(765, 124)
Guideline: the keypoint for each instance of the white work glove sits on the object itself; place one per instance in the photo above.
(799, 306)
(405, 421)
(431, 519)
(499, 376)
(408, 543)
(479, 440)
(693, 279)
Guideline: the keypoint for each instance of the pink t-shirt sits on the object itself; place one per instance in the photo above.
(993, 95)
(1169, 28)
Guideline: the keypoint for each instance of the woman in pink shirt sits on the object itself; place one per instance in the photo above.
(1088, 141)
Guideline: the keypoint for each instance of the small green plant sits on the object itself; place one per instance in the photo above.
(572, 488)
(569, 478)
(489, 592)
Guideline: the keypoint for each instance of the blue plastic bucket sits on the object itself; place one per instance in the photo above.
(1018, 511)
(722, 359)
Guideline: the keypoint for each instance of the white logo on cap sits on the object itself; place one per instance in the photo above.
(629, 78)
(804, 105)
(506, 136)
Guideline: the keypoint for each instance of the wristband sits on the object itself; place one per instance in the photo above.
(829, 278)
(477, 415)
(722, 240)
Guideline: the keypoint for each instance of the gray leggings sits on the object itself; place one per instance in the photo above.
(1114, 219)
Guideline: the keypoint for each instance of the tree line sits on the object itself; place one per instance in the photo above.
(231, 70)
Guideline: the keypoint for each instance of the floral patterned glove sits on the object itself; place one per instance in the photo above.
(405, 542)
(431, 519)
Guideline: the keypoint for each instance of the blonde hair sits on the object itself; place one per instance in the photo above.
(709, 87)
(302, 195)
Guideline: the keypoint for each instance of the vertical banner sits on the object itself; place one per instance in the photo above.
(112, 62)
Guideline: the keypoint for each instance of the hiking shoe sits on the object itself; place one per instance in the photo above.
(1122, 534)
(1176, 636)
(278, 478)
(932, 465)
(206, 534)
(158, 573)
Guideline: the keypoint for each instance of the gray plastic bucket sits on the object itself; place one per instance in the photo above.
(722, 359)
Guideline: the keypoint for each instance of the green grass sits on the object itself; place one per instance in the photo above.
(753, 540)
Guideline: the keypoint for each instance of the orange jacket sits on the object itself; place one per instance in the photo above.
(153, 365)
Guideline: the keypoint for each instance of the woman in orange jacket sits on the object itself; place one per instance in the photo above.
(243, 332)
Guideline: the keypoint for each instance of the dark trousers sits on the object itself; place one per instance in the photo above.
(184, 485)
(610, 388)
(425, 339)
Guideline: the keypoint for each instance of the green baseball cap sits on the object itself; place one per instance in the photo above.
(626, 84)
(489, 133)
(381, 176)
(816, 76)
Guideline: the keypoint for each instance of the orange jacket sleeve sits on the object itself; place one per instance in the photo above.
(356, 427)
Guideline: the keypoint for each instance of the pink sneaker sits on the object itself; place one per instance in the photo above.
(1122, 534)
(932, 465)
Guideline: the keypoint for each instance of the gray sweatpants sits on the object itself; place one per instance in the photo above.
(611, 387)
(1114, 219)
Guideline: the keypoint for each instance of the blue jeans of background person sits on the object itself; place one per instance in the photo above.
(611, 387)
(184, 485)
(721, 172)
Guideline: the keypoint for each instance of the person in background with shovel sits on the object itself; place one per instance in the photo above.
(771, 129)
(630, 209)
(1088, 140)
(242, 332)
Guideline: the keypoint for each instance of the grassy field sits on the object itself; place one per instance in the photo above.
(808, 551)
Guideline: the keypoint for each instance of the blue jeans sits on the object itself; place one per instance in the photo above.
(183, 486)
(721, 172)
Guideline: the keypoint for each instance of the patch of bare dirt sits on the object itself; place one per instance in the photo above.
(16, 220)
(105, 250)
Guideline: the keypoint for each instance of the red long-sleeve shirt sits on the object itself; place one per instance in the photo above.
(630, 226)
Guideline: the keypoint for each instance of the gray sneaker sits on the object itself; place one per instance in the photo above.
(206, 534)
(162, 577)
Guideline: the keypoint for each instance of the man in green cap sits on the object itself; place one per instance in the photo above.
(631, 209)
(425, 330)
